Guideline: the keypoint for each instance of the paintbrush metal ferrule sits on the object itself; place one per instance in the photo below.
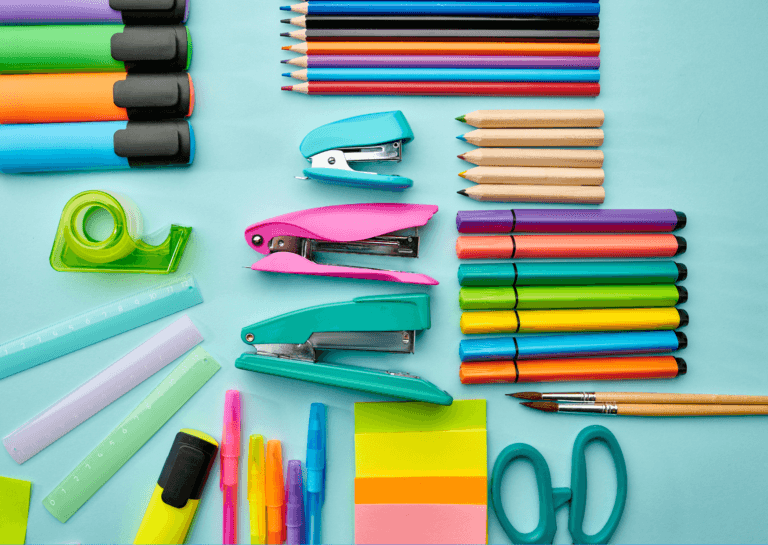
(592, 408)
(571, 397)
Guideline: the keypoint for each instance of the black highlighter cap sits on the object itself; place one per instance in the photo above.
(155, 143)
(154, 96)
(683, 317)
(186, 469)
(682, 272)
(682, 367)
(682, 245)
(682, 295)
(681, 220)
(152, 48)
(151, 12)
(682, 340)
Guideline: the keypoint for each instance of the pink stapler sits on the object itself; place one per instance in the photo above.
(291, 241)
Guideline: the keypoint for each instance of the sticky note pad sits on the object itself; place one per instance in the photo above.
(14, 509)
(403, 523)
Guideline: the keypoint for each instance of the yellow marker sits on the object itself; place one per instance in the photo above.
(257, 489)
(553, 321)
(174, 501)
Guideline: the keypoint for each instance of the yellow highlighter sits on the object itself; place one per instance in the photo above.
(257, 489)
(174, 501)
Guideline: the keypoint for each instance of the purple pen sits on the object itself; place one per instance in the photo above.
(51, 12)
(565, 220)
(442, 61)
(294, 511)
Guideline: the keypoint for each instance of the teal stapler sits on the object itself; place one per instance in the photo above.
(290, 345)
(369, 138)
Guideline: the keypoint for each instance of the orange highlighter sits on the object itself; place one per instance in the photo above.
(275, 493)
(74, 98)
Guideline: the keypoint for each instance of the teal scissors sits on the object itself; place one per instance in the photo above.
(552, 499)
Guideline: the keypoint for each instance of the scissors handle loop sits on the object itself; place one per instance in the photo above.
(579, 485)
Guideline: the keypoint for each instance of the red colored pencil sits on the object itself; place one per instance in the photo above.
(431, 88)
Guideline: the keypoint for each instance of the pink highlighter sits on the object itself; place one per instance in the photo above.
(230, 452)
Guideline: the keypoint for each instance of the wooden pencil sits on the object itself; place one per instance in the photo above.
(534, 175)
(563, 194)
(534, 157)
(442, 35)
(443, 88)
(501, 138)
(572, 22)
(528, 119)
(444, 48)
(644, 397)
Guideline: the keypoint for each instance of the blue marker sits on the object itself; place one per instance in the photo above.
(315, 473)
(444, 74)
(570, 346)
(58, 147)
(384, 7)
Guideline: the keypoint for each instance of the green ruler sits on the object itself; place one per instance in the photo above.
(132, 433)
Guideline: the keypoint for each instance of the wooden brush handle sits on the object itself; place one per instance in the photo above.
(701, 399)
(691, 410)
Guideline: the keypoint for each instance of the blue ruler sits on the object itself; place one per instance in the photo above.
(98, 324)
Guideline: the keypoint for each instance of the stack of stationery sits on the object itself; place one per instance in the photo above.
(458, 47)
(97, 84)
(519, 160)
(630, 305)
(421, 473)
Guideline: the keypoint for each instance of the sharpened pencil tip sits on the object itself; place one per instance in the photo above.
(461, 137)
(286, 74)
(533, 396)
(462, 192)
(461, 118)
(460, 156)
(284, 61)
(546, 406)
(286, 48)
(285, 21)
(462, 174)
(287, 88)
(285, 34)
(285, 8)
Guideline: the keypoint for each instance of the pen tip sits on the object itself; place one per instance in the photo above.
(461, 118)
(461, 137)
(533, 396)
(285, 34)
(286, 48)
(462, 192)
(460, 156)
(287, 88)
(462, 174)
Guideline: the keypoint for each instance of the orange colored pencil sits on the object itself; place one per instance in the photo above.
(446, 48)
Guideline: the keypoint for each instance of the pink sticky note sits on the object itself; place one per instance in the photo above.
(411, 523)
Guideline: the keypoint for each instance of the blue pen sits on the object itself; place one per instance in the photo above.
(315, 485)
(570, 346)
(57, 147)
(353, 7)
(443, 74)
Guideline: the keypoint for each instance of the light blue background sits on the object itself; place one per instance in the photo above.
(684, 96)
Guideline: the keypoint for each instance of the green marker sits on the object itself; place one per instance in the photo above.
(57, 49)
(561, 297)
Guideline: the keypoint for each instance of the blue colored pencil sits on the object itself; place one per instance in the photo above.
(443, 74)
(449, 7)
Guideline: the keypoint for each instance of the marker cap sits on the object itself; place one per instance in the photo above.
(186, 469)
(152, 48)
(155, 143)
(151, 12)
(155, 96)
(295, 512)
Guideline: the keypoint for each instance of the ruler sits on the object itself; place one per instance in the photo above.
(132, 433)
(98, 324)
(119, 378)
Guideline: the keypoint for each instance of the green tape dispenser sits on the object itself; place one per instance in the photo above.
(124, 250)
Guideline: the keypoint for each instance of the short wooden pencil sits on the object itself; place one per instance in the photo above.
(534, 157)
(534, 175)
(500, 138)
(529, 119)
(562, 194)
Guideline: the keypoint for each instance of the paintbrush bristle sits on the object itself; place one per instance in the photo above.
(546, 406)
(533, 396)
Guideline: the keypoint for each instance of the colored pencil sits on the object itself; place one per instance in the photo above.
(572, 320)
(441, 34)
(644, 397)
(667, 409)
(573, 369)
(569, 246)
(525, 138)
(442, 61)
(444, 48)
(423, 88)
(455, 21)
(555, 194)
(443, 74)
(531, 119)
(534, 157)
(443, 8)
(534, 175)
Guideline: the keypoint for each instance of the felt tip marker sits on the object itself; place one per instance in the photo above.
(275, 493)
(294, 513)
(230, 454)
(51, 12)
(316, 456)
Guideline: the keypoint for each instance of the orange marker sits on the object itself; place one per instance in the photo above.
(573, 369)
(73, 98)
(446, 48)
(275, 493)
(568, 246)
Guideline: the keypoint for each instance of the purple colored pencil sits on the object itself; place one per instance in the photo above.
(444, 61)
(51, 12)
(565, 220)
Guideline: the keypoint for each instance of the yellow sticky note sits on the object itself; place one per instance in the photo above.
(460, 453)
(14, 509)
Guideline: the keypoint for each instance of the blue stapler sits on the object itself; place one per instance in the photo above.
(290, 345)
(369, 138)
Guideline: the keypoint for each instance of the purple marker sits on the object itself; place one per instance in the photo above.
(565, 220)
(294, 499)
(51, 12)
(442, 61)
